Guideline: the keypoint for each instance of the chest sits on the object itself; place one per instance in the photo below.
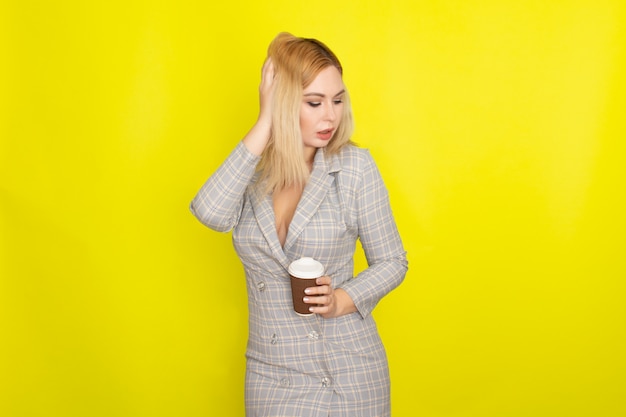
(285, 202)
(322, 226)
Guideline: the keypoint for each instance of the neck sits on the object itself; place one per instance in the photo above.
(309, 156)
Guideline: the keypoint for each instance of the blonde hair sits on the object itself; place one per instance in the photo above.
(297, 61)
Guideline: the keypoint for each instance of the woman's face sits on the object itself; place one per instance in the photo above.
(321, 110)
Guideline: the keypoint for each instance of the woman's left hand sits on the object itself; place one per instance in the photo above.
(330, 302)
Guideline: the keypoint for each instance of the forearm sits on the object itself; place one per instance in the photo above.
(218, 203)
(256, 139)
(378, 233)
(372, 284)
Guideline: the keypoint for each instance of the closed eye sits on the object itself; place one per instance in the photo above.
(314, 103)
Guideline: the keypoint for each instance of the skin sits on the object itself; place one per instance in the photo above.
(321, 109)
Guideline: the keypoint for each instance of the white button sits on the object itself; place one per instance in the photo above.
(274, 339)
(284, 382)
(326, 382)
(260, 286)
(313, 335)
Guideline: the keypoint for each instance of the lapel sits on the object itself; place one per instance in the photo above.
(322, 177)
(312, 196)
(264, 213)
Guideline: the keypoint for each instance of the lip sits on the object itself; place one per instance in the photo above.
(326, 134)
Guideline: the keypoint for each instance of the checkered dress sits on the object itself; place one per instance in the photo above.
(310, 366)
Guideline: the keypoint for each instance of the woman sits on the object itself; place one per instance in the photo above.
(296, 186)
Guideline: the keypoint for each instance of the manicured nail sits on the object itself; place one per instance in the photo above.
(307, 291)
(305, 299)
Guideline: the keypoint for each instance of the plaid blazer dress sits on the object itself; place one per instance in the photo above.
(310, 366)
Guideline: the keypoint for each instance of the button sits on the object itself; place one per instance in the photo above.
(274, 339)
(261, 286)
(327, 382)
(284, 382)
(313, 335)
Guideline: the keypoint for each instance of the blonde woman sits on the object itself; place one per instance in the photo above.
(296, 186)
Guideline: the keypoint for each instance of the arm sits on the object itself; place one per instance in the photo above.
(381, 243)
(383, 249)
(218, 203)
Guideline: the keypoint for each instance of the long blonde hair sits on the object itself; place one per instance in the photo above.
(297, 61)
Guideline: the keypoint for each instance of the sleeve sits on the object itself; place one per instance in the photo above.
(219, 202)
(378, 233)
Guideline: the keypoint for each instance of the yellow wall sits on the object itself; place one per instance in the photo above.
(498, 126)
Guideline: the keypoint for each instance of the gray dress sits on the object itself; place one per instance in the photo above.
(310, 366)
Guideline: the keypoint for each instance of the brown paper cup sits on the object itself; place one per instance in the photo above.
(303, 273)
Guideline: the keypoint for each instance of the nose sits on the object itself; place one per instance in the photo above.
(331, 114)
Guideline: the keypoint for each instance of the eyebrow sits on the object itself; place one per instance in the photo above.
(323, 95)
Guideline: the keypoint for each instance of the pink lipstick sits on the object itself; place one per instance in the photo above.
(325, 134)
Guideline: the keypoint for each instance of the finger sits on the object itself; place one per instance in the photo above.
(266, 64)
(320, 289)
(324, 300)
(265, 72)
(324, 311)
(268, 69)
(323, 280)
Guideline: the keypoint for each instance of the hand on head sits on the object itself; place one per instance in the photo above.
(258, 136)
(266, 91)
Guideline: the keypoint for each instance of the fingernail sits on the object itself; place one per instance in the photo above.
(307, 291)
(305, 299)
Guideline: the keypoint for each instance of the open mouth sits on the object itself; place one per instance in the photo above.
(325, 134)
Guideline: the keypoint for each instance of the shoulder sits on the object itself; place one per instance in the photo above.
(355, 159)
(354, 166)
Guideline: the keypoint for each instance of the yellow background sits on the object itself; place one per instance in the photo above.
(499, 129)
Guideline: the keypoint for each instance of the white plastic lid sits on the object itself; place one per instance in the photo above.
(306, 268)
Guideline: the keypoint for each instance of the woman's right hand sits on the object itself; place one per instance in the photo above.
(266, 91)
(259, 135)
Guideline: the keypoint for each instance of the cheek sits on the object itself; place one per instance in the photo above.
(302, 117)
(340, 111)
(305, 120)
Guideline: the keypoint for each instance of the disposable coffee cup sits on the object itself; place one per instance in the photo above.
(303, 273)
